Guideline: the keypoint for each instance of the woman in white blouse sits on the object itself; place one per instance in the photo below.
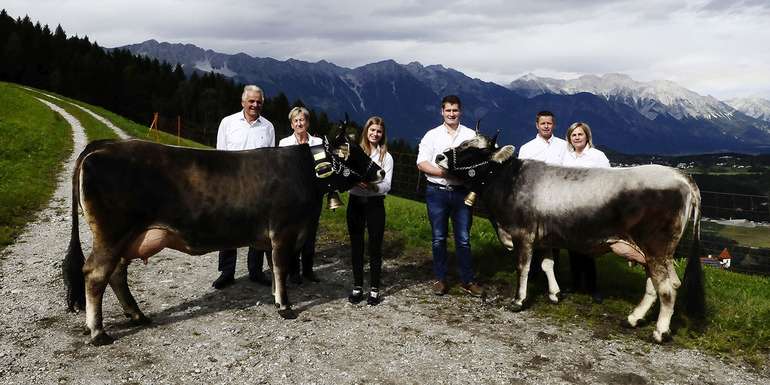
(580, 148)
(299, 117)
(581, 153)
(366, 210)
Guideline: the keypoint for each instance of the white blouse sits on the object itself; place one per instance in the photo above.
(590, 157)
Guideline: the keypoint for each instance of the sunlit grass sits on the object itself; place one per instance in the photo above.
(35, 141)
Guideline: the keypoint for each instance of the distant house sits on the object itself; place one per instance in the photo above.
(722, 261)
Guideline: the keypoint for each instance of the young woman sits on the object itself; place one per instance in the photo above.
(581, 153)
(366, 210)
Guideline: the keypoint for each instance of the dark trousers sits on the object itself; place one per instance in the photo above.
(228, 257)
(306, 254)
(369, 213)
(583, 270)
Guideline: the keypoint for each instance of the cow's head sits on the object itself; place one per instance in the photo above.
(349, 164)
(475, 159)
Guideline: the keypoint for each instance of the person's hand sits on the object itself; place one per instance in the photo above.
(363, 185)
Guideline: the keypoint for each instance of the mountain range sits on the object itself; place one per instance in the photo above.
(628, 116)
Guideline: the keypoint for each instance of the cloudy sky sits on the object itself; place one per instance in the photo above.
(713, 47)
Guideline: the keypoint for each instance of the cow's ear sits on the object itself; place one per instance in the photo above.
(503, 154)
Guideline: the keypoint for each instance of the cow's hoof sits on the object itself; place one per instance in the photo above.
(561, 295)
(553, 298)
(139, 321)
(102, 339)
(515, 307)
(287, 313)
(661, 337)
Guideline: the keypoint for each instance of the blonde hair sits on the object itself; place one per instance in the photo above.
(586, 128)
(383, 140)
(252, 88)
(298, 110)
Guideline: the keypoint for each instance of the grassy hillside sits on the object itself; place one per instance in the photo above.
(739, 305)
(35, 141)
(97, 130)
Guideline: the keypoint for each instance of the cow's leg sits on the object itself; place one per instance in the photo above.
(547, 266)
(98, 269)
(666, 288)
(644, 306)
(283, 252)
(119, 284)
(525, 258)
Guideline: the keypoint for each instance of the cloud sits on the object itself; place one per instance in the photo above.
(712, 47)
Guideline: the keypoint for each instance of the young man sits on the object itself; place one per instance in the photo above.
(244, 130)
(444, 197)
(550, 149)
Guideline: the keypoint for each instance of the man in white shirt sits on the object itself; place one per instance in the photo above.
(545, 147)
(549, 149)
(445, 197)
(244, 130)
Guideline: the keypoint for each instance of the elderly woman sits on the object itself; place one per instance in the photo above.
(299, 117)
(581, 153)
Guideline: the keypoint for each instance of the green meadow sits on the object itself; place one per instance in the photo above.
(35, 141)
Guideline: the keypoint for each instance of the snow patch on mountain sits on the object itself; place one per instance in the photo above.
(649, 98)
(205, 66)
(757, 108)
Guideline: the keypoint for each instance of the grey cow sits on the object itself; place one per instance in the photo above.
(639, 213)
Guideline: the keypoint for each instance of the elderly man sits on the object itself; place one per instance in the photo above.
(244, 130)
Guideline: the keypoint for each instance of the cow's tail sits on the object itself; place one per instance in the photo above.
(695, 293)
(72, 266)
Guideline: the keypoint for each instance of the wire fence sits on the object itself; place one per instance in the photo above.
(409, 183)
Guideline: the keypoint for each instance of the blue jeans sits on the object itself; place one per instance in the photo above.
(443, 204)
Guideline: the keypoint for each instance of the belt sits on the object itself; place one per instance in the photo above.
(451, 187)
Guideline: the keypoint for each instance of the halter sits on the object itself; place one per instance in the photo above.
(340, 168)
(471, 169)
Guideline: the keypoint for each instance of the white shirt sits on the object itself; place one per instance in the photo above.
(590, 157)
(383, 186)
(549, 151)
(438, 140)
(291, 140)
(235, 133)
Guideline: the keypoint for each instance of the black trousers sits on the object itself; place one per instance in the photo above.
(583, 270)
(228, 257)
(306, 254)
(366, 213)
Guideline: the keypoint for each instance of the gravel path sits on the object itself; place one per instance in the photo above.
(201, 335)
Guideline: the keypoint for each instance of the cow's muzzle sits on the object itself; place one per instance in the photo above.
(442, 161)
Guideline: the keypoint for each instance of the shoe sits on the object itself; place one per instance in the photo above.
(356, 296)
(260, 278)
(597, 298)
(473, 289)
(311, 277)
(295, 278)
(374, 298)
(439, 287)
(224, 280)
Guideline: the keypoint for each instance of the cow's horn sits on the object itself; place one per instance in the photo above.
(478, 123)
(494, 138)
